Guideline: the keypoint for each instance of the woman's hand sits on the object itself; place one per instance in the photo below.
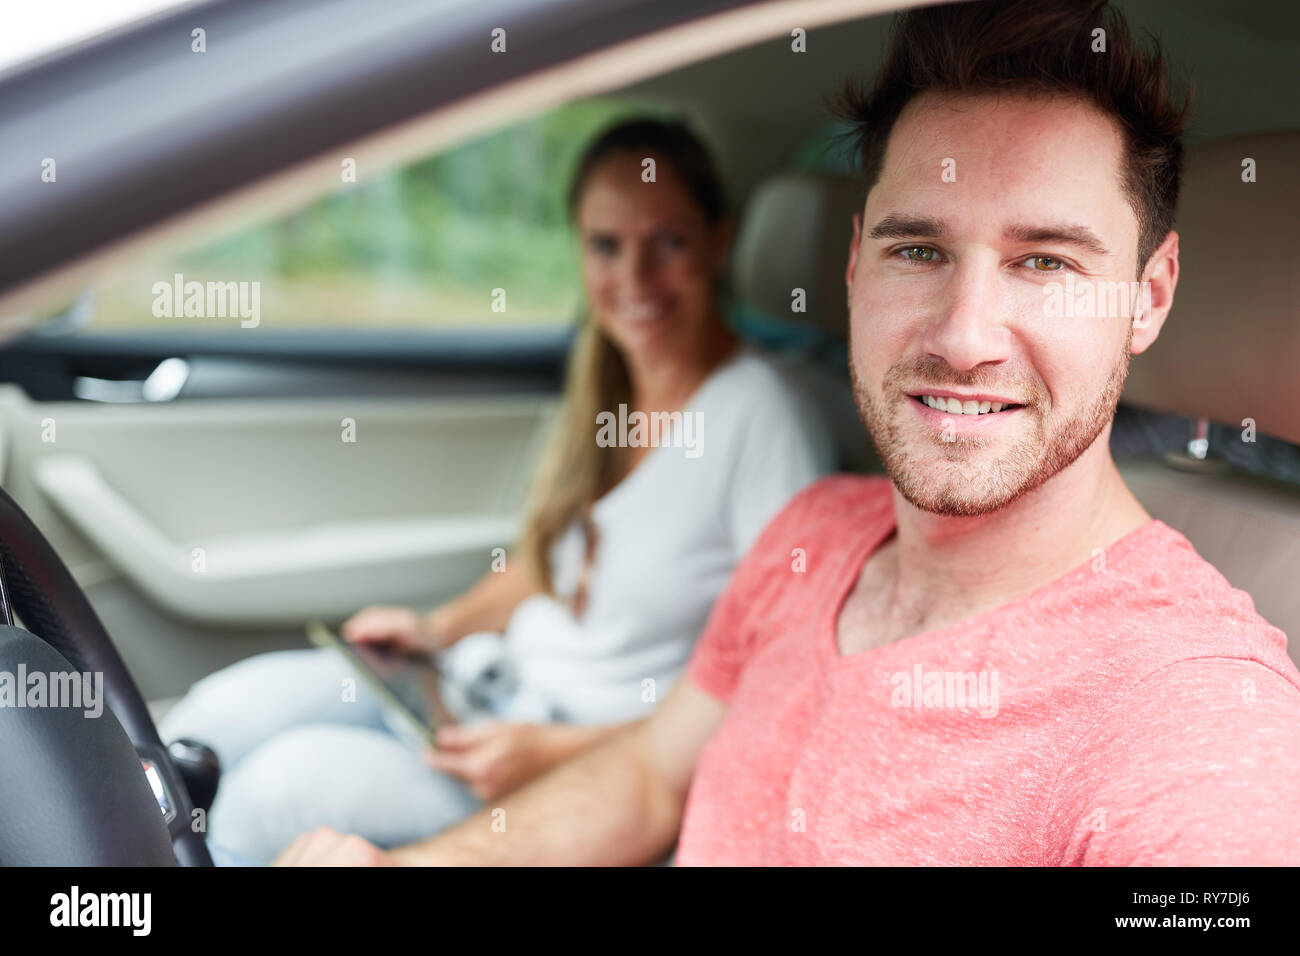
(397, 627)
(495, 757)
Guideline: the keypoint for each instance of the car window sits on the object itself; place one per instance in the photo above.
(472, 236)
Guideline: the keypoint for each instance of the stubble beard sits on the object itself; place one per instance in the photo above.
(962, 483)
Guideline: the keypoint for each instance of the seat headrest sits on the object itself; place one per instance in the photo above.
(795, 234)
(1230, 347)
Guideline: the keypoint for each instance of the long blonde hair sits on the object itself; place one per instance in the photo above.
(574, 470)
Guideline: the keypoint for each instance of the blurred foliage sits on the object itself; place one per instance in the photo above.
(423, 244)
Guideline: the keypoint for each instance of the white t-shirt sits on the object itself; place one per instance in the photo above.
(669, 536)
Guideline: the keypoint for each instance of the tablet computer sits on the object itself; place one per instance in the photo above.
(409, 685)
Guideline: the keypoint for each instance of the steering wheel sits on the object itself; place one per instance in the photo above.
(76, 788)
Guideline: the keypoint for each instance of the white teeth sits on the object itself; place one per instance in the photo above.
(953, 406)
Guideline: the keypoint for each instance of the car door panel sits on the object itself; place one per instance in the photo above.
(212, 526)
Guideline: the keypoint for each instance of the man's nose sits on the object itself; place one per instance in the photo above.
(968, 327)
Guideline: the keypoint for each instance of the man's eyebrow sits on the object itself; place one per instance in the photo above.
(921, 227)
(908, 227)
(1073, 235)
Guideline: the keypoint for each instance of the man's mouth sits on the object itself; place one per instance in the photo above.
(974, 405)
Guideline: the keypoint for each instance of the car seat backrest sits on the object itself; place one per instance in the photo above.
(1230, 348)
(794, 235)
(1229, 351)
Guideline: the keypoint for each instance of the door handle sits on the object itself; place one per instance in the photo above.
(163, 384)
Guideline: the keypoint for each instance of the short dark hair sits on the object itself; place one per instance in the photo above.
(669, 140)
(1034, 46)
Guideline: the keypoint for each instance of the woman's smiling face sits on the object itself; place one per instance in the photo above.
(650, 257)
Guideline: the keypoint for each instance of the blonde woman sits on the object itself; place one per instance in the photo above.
(674, 446)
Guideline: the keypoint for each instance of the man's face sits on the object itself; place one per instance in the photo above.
(949, 299)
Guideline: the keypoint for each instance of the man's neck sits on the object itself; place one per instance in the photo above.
(941, 569)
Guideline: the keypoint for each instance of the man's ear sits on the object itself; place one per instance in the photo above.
(1159, 279)
(853, 250)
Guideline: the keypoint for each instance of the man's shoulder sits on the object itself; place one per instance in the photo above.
(1187, 610)
(837, 506)
(1188, 709)
(769, 594)
(829, 516)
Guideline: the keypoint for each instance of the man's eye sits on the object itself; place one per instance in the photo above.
(1045, 263)
(603, 245)
(919, 254)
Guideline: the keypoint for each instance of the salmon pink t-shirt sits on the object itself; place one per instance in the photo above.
(1136, 710)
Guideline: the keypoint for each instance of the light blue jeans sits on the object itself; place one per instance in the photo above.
(296, 755)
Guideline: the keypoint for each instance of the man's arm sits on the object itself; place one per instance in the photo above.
(620, 802)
